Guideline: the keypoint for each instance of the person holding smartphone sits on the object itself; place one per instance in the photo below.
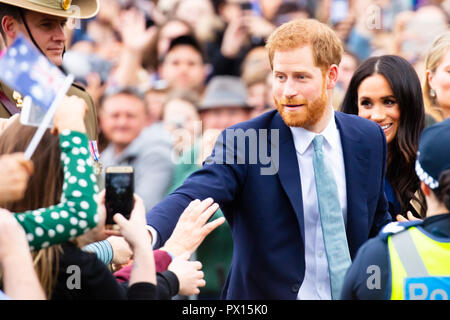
(64, 186)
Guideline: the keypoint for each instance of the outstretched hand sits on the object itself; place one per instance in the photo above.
(192, 227)
(189, 274)
(134, 34)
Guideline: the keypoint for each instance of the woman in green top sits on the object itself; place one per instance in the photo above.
(73, 212)
(59, 203)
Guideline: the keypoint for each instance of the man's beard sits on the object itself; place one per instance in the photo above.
(308, 114)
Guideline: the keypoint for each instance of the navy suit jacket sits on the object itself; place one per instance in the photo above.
(265, 211)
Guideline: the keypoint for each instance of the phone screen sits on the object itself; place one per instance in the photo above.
(119, 197)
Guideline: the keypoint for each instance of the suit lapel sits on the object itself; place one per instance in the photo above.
(288, 171)
(356, 161)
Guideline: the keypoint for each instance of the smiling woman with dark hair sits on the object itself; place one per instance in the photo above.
(387, 90)
(411, 260)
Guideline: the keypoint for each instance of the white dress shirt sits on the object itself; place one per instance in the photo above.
(316, 284)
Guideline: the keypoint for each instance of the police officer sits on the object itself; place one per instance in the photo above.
(43, 22)
(411, 260)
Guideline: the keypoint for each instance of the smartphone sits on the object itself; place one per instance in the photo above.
(119, 197)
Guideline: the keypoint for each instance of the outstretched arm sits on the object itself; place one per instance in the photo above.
(218, 179)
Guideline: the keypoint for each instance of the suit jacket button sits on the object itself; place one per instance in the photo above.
(295, 288)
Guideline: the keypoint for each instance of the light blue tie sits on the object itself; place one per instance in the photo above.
(331, 219)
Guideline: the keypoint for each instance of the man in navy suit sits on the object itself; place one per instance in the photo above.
(272, 206)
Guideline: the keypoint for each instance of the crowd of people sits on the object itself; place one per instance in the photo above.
(157, 83)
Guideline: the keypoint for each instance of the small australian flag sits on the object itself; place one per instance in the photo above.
(25, 69)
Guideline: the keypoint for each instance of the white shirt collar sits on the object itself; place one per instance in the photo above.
(303, 137)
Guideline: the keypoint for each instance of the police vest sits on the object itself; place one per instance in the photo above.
(420, 266)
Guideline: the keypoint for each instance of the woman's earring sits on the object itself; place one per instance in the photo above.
(433, 93)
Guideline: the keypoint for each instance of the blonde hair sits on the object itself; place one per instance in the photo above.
(326, 46)
(433, 59)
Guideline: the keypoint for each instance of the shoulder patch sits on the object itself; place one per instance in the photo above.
(393, 227)
(396, 227)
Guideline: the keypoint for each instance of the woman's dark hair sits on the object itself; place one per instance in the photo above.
(402, 150)
(443, 191)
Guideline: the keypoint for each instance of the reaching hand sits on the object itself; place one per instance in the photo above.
(134, 35)
(189, 274)
(234, 38)
(192, 228)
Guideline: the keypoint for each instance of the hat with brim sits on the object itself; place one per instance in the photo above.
(225, 92)
(79, 9)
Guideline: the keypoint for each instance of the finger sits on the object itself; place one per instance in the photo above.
(113, 233)
(411, 216)
(203, 206)
(209, 227)
(401, 218)
(207, 214)
(120, 220)
(27, 165)
(187, 212)
(138, 212)
(194, 204)
(198, 265)
(101, 197)
(201, 283)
